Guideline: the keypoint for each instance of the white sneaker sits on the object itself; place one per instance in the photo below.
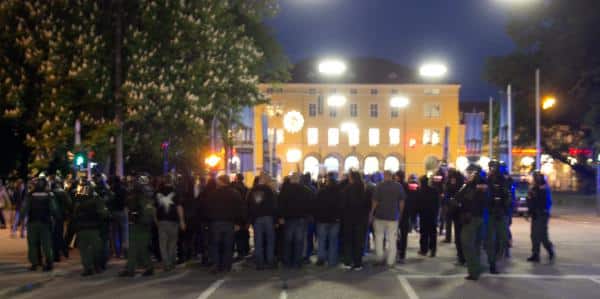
(359, 268)
(345, 267)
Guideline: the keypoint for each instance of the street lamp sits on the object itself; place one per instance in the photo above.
(433, 70)
(332, 67)
(548, 102)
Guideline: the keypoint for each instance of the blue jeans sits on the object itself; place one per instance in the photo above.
(264, 232)
(295, 232)
(221, 244)
(328, 242)
(311, 231)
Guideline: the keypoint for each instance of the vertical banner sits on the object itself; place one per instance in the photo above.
(274, 154)
(446, 143)
(265, 140)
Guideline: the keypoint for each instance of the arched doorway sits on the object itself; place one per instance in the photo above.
(311, 165)
(332, 164)
(371, 165)
(351, 162)
(391, 163)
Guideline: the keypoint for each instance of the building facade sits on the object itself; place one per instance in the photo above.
(370, 127)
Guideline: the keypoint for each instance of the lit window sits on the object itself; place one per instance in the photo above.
(431, 136)
(332, 112)
(278, 135)
(313, 136)
(373, 137)
(353, 136)
(432, 110)
(371, 165)
(395, 112)
(311, 165)
(312, 110)
(351, 163)
(353, 110)
(374, 91)
(391, 164)
(333, 136)
(394, 136)
(373, 110)
(332, 164)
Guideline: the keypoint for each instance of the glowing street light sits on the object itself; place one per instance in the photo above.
(293, 155)
(332, 67)
(399, 102)
(433, 70)
(548, 102)
(336, 100)
(212, 160)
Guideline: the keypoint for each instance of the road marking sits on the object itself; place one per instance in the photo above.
(283, 295)
(596, 280)
(407, 288)
(525, 276)
(211, 289)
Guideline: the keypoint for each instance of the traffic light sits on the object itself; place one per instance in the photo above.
(80, 159)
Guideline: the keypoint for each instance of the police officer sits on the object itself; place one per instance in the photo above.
(539, 201)
(141, 212)
(410, 208)
(499, 205)
(105, 195)
(503, 169)
(453, 183)
(63, 206)
(40, 208)
(437, 183)
(88, 217)
(473, 197)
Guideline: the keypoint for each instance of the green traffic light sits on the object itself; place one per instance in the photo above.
(79, 160)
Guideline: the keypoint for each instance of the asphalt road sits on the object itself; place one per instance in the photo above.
(575, 274)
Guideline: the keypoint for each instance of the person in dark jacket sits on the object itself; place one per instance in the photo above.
(224, 208)
(118, 213)
(294, 208)
(262, 209)
(428, 206)
(170, 219)
(63, 206)
(412, 192)
(453, 183)
(242, 236)
(539, 201)
(327, 212)
(355, 220)
(473, 198)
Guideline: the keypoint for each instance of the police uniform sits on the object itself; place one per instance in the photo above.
(141, 216)
(40, 208)
(540, 202)
(88, 218)
(473, 197)
(453, 184)
(63, 206)
(500, 202)
(105, 195)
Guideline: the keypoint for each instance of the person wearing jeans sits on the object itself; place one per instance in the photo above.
(328, 213)
(224, 208)
(356, 205)
(261, 213)
(388, 205)
(295, 201)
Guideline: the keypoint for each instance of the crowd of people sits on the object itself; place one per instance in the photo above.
(175, 219)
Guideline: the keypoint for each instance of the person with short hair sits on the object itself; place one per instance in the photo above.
(327, 212)
(262, 209)
(355, 221)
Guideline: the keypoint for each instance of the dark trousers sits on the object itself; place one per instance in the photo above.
(58, 240)
(242, 241)
(442, 217)
(204, 245)
(539, 234)
(188, 244)
(221, 244)
(264, 240)
(354, 236)
(403, 239)
(449, 222)
(457, 239)
(428, 239)
(294, 235)
(311, 231)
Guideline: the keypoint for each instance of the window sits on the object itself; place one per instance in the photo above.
(269, 90)
(332, 164)
(311, 165)
(394, 91)
(373, 110)
(371, 165)
(312, 91)
(312, 110)
(333, 136)
(432, 110)
(313, 136)
(394, 112)
(391, 164)
(353, 91)
(320, 104)
(374, 91)
(278, 135)
(353, 136)
(332, 112)
(394, 136)
(351, 162)
(353, 110)
(373, 137)
(431, 136)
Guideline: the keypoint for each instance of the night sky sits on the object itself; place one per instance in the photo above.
(461, 32)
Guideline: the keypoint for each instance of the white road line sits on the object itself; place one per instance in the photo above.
(525, 276)
(283, 295)
(211, 289)
(596, 280)
(407, 288)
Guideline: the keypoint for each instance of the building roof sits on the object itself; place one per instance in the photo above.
(363, 70)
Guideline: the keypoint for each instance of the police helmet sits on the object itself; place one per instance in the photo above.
(41, 184)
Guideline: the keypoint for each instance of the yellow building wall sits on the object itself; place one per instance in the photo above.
(410, 119)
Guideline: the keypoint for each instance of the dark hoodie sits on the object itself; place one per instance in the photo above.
(357, 204)
(329, 204)
(295, 201)
(261, 202)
